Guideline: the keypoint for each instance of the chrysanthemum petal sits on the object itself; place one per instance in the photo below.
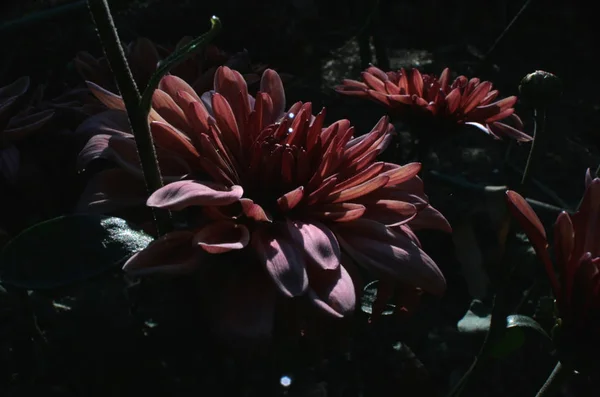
(183, 194)
(222, 236)
(282, 259)
(332, 291)
(374, 245)
(172, 253)
(318, 241)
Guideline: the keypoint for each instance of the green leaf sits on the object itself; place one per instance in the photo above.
(514, 337)
(67, 250)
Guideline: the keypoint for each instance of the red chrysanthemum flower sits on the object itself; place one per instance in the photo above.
(416, 97)
(276, 191)
(577, 255)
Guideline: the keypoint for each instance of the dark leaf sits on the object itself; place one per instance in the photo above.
(67, 250)
(369, 298)
(514, 336)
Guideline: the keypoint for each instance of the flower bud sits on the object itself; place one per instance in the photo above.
(540, 88)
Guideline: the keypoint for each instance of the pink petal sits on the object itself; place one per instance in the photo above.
(172, 85)
(332, 291)
(319, 243)
(374, 245)
(339, 212)
(222, 236)
(359, 190)
(271, 84)
(502, 129)
(254, 211)
(391, 212)
(531, 224)
(401, 174)
(430, 218)
(291, 199)
(182, 194)
(167, 137)
(168, 109)
(111, 190)
(527, 218)
(283, 261)
(172, 253)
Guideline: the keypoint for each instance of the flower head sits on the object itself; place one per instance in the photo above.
(577, 253)
(143, 57)
(18, 120)
(292, 200)
(417, 97)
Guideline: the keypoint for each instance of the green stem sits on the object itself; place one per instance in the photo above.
(175, 58)
(538, 138)
(555, 381)
(138, 116)
(496, 330)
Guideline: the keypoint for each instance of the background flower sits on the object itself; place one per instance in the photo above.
(577, 253)
(424, 98)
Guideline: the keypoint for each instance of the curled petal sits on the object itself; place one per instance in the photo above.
(183, 194)
(332, 291)
(172, 253)
(271, 84)
(222, 236)
(319, 243)
(255, 211)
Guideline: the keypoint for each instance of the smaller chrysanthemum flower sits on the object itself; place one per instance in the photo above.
(418, 98)
(577, 257)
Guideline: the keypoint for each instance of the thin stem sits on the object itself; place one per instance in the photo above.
(497, 327)
(175, 58)
(506, 29)
(555, 381)
(138, 116)
(538, 137)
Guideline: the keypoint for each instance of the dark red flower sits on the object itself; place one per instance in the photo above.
(288, 200)
(143, 57)
(18, 120)
(417, 97)
(577, 255)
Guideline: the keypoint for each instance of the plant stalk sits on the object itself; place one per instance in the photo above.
(138, 116)
(555, 381)
(175, 58)
(539, 115)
